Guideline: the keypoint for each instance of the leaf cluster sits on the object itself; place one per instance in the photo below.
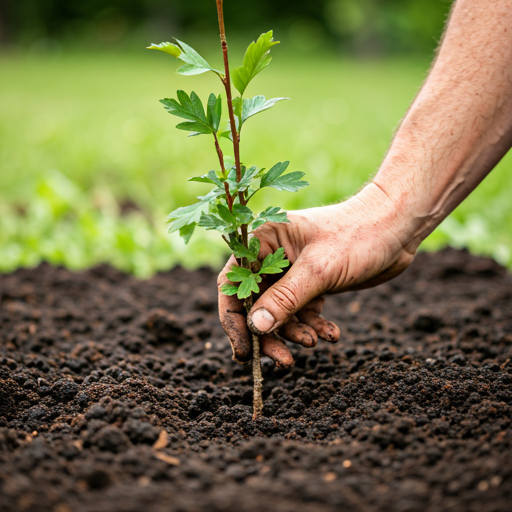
(225, 208)
(244, 281)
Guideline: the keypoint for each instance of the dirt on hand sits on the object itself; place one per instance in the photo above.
(120, 395)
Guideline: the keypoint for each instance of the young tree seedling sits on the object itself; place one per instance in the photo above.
(225, 208)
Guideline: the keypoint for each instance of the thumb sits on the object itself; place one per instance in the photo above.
(290, 294)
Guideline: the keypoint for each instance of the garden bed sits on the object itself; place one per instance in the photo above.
(410, 411)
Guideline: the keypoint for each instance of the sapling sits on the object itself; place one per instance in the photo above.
(225, 208)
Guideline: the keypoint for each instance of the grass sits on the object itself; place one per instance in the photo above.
(80, 133)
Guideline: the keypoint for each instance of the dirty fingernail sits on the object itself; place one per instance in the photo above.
(262, 320)
(308, 340)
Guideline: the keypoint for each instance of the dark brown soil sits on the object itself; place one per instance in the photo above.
(410, 411)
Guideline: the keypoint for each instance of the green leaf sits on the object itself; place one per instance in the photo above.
(253, 106)
(270, 214)
(194, 63)
(194, 127)
(226, 134)
(242, 213)
(212, 221)
(211, 177)
(242, 252)
(186, 215)
(254, 245)
(226, 215)
(192, 214)
(274, 263)
(214, 112)
(237, 109)
(247, 178)
(256, 59)
(186, 232)
(167, 47)
(248, 286)
(290, 182)
(238, 274)
(190, 108)
(229, 288)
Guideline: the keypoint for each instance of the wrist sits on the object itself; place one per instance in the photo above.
(389, 212)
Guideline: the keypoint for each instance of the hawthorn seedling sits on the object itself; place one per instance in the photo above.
(225, 208)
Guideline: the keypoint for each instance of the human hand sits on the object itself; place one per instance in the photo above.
(353, 245)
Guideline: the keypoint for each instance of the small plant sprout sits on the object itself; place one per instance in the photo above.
(225, 208)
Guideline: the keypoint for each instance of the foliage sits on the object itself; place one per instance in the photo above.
(224, 208)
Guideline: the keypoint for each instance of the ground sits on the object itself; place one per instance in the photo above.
(118, 394)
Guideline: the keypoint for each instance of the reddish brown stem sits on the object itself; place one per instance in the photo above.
(226, 80)
(229, 197)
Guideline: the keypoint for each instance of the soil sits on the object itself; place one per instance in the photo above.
(120, 395)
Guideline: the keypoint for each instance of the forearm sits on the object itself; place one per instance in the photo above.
(460, 124)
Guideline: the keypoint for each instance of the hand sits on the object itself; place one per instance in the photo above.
(353, 245)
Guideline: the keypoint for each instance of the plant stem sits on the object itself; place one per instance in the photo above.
(226, 80)
(257, 378)
(229, 198)
(227, 86)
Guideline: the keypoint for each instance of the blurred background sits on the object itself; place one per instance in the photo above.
(90, 163)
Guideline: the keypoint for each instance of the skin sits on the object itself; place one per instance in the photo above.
(456, 131)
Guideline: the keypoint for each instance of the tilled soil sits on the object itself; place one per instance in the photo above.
(120, 395)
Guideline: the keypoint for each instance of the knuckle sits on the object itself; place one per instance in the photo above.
(286, 297)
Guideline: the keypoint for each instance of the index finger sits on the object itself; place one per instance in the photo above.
(233, 318)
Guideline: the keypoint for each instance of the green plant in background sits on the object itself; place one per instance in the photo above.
(225, 208)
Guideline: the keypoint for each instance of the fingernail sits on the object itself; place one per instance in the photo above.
(262, 320)
(308, 340)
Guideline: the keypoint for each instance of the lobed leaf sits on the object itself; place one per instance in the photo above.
(192, 214)
(212, 221)
(290, 182)
(247, 176)
(256, 59)
(238, 274)
(190, 108)
(270, 214)
(248, 286)
(186, 215)
(274, 263)
(211, 177)
(194, 63)
(253, 106)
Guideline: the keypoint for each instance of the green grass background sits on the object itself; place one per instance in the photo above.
(81, 132)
